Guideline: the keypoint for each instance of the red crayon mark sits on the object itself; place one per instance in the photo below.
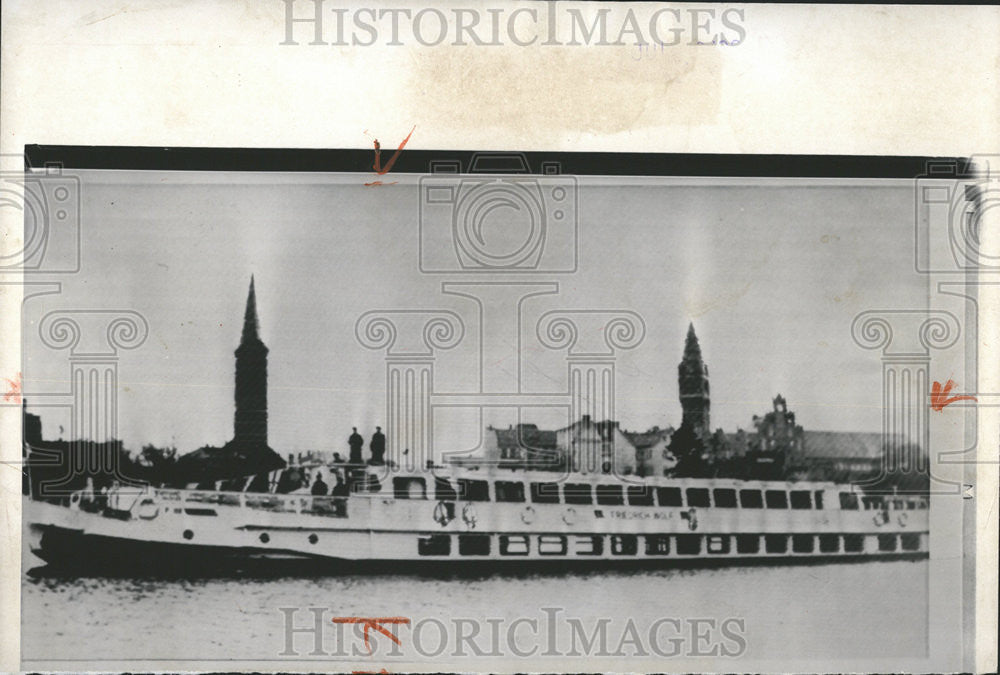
(368, 672)
(13, 389)
(939, 398)
(379, 170)
(374, 622)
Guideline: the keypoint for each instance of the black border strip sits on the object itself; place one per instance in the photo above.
(135, 158)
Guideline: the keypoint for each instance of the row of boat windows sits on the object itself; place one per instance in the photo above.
(661, 544)
(473, 490)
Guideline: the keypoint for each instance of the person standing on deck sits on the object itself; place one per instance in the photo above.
(319, 488)
(356, 442)
(377, 447)
(114, 495)
(340, 489)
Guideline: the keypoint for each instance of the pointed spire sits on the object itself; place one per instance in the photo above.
(250, 324)
(692, 350)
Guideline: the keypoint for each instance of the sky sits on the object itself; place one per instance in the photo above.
(771, 274)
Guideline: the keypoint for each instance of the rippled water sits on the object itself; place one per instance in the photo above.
(858, 609)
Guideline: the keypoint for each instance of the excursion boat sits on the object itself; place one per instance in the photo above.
(466, 518)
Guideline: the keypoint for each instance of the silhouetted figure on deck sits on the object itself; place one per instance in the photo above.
(377, 447)
(356, 442)
(319, 488)
(290, 479)
(340, 489)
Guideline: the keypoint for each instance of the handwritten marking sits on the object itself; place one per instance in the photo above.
(13, 389)
(939, 398)
(374, 622)
(392, 160)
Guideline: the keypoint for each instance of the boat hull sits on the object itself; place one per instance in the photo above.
(69, 551)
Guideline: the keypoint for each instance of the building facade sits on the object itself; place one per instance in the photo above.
(652, 451)
(597, 447)
(520, 446)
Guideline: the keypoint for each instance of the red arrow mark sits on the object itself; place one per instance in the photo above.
(373, 622)
(13, 392)
(392, 160)
(939, 397)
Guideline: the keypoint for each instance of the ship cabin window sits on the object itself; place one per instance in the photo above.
(435, 544)
(589, 545)
(473, 544)
(444, 490)
(725, 498)
(849, 501)
(887, 542)
(751, 499)
(409, 487)
(509, 491)
(610, 495)
(657, 544)
(688, 544)
(624, 544)
(800, 499)
(776, 543)
(544, 493)
(513, 544)
(748, 543)
(640, 495)
(829, 543)
(717, 543)
(854, 543)
(551, 544)
(910, 541)
(873, 503)
(669, 496)
(776, 499)
(473, 490)
(577, 493)
(802, 543)
(818, 499)
(698, 497)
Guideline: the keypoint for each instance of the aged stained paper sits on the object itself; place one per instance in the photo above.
(741, 80)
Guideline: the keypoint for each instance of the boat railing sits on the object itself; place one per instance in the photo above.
(262, 501)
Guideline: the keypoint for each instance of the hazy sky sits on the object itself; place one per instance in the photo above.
(771, 274)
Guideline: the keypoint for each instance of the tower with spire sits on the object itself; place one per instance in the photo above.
(250, 425)
(692, 375)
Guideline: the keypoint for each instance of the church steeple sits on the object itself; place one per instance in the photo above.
(250, 423)
(692, 350)
(692, 375)
(251, 326)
